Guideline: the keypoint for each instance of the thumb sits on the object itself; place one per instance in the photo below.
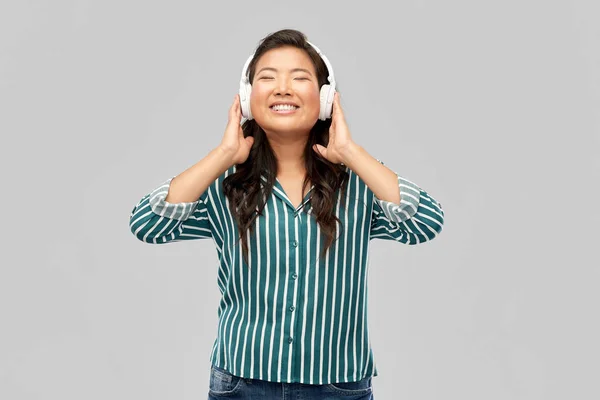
(321, 150)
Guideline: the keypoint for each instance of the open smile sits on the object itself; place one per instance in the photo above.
(283, 110)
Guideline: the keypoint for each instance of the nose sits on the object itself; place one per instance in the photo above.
(283, 87)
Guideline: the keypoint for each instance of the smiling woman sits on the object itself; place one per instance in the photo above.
(287, 69)
(291, 203)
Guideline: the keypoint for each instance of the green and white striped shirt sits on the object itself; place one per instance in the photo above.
(290, 316)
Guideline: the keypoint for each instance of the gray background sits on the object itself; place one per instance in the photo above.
(492, 107)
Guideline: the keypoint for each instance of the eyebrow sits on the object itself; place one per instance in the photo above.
(292, 70)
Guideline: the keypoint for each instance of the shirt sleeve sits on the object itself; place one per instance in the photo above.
(417, 219)
(154, 220)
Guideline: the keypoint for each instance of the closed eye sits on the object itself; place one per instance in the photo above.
(270, 77)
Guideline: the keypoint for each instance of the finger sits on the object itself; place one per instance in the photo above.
(232, 107)
(336, 107)
(239, 106)
(233, 110)
(338, 103)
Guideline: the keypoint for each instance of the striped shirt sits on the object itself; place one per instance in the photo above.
(290, 316)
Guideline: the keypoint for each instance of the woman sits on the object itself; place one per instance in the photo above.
(291, 203)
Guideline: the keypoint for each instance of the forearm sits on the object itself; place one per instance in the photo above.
(382, 181)
(191, 183)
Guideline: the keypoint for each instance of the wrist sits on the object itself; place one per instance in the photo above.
(350, 154)
(223, 151)
(225, 156)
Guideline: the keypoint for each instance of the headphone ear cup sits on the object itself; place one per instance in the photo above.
(245, 91)
(326, 96)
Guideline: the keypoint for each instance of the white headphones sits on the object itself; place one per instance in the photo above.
(327, 91)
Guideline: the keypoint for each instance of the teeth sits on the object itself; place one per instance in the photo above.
(284, 107)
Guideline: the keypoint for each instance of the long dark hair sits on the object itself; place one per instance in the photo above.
(243, 188)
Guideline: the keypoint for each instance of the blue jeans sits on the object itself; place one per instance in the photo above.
(223, 385)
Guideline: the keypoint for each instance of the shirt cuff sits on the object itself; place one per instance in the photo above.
(410, 196)
(178, 211)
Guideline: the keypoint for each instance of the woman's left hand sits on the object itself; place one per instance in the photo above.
(340, 141)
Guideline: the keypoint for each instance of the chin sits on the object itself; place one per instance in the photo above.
(284, 128)
(283, 123)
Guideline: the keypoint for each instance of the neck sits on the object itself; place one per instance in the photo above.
(289, 153)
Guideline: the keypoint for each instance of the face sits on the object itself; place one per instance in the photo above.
(285, 75)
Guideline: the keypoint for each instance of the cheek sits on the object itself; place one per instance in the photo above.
(258, 93)
(311, 93)
(315, 100)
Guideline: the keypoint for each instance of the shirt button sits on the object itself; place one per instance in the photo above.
(290, 340)
(295, 276)
(295, 243)
(292, 308)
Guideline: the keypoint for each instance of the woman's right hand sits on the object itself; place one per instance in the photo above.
(234, 143)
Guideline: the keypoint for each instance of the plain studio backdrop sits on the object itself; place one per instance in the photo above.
(491, 107)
